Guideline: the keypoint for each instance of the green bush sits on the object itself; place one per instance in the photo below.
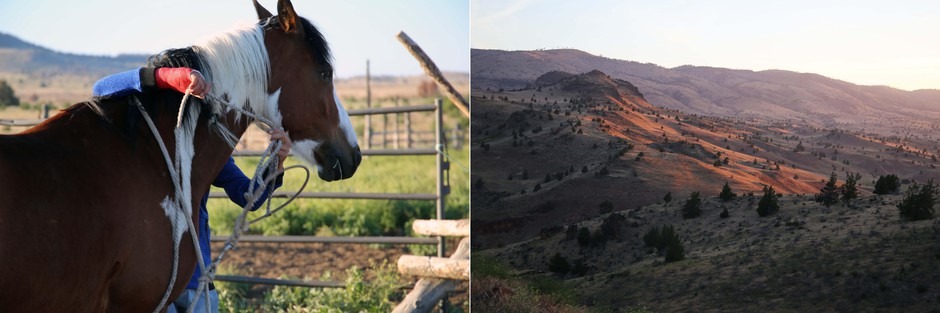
(377, 295)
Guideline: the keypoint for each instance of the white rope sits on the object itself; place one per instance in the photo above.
(179, 197)
(268, 163)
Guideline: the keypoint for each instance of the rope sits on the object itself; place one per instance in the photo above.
(174, 170)
(268, 163)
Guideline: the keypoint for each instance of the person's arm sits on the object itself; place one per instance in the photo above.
(236, 184)
(142, 79)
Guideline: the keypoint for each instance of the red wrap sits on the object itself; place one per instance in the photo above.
(176, 78)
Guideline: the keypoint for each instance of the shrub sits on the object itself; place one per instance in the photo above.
(919, 201)
(377, 295)
(675, 251)
(668, 197)
(887, 184)
(665, 240)
(584, 236)
(724, 213)
(651, 239)
(692, 207)
(606, 207)
(559, 264)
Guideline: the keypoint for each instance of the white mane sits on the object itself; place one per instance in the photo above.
(236, 65)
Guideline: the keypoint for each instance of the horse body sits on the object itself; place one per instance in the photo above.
(83, 230)
(82, 225)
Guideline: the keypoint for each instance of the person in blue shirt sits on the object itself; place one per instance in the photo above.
(231, 178)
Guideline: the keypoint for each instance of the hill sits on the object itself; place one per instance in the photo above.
(555, 149)
(38, 74)
(717, 91)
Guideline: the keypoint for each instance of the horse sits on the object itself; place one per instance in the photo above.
(82, 227)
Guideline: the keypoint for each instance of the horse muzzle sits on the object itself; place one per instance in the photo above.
(337, 163)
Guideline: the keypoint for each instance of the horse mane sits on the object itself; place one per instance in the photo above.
(315, 40)
(236, 65)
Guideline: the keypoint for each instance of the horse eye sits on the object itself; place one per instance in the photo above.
(326, 75)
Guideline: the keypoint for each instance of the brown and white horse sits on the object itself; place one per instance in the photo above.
(82, 228)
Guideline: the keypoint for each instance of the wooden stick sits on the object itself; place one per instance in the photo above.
(425, 266)
(435, 73)
(429, 291)
(454, 228)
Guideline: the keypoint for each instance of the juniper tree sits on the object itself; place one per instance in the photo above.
(850, 188)
(668, 197)
(7, 96)
(726, 194)
(918, 203)
(768, 203)
(673, 245)
(651, 239)
(887, 184)
(692, 207)
(829, 194)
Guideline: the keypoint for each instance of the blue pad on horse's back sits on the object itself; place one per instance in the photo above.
(120, 84)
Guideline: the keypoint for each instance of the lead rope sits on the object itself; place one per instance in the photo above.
(268, 163)
(177, 186)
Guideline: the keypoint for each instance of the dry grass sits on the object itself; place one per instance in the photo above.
(806, 257)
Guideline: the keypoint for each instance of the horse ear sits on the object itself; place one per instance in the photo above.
(287, 16)
(262, 12)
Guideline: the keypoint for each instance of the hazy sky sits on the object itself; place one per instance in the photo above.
(355, 29)
(894, 43)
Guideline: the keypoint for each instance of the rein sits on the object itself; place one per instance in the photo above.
(267, 164)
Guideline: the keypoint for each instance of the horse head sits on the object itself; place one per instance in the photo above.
(302, 96)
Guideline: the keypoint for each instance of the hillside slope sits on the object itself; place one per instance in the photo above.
(555, 150)
(716, 91)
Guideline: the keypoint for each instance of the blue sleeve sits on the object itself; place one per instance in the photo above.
(120, 84)
(235, 183)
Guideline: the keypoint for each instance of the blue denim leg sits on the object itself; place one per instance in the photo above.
(182, 303)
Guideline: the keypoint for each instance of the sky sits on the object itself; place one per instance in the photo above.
(893, 43)
(355, 29)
